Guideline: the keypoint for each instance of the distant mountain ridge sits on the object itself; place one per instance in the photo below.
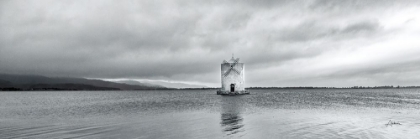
(132, 82)
(37, 82)
(161, 84)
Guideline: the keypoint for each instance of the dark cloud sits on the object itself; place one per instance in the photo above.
(281, 42)
(366, 26)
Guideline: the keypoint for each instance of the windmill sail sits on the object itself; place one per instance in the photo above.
(227, 72)
(236, 71)
(232, 67)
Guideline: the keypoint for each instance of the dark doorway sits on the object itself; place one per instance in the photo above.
(232, 87)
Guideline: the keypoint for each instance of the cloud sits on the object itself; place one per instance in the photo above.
(283, 43)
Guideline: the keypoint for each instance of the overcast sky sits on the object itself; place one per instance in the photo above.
(282, 43)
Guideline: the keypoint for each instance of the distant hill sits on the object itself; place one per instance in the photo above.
(132, 82)
(36, 82)
(161, 84)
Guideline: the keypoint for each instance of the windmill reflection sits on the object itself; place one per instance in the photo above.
(231, 120)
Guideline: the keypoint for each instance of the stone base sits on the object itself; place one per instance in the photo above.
(220, 92)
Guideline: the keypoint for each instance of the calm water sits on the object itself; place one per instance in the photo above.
(340, 113)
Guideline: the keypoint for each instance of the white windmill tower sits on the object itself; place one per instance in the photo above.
(233, 78)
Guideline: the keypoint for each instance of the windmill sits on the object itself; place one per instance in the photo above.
(233, 77)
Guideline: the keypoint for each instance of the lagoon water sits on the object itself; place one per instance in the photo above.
(180, 114)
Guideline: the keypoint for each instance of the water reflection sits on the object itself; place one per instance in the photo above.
(231, 119)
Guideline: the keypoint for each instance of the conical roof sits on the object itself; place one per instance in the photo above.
(232, 60)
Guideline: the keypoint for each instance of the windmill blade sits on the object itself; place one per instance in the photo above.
(236, 71)
(227, 72)
(235, 61)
